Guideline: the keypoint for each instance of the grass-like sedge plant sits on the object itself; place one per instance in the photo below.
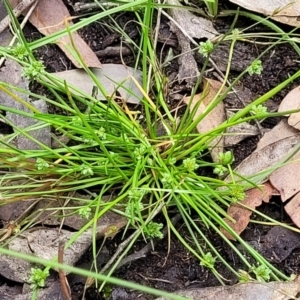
(110, 150)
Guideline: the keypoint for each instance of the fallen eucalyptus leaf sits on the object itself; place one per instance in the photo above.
(213, 119)
(265, 158)
(284, 11)
(43, 242)
(290, 102)
(292, 208)
(237, 133)
(113, 78)
(280, 131)
(245, 291)
(11, 74)
(69, 216)
(5, 35)
(16, 269)
(279, 243)
(52, 16)
(286, 178)
(241, 214)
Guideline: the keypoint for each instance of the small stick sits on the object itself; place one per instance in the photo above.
(62, 277)
(17, 12)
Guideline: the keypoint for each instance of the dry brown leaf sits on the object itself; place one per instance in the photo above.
(265, 158)
(284, 11)
(280, 131)
(286, 179)
(240, 214)
(113, 77)
(292, 101)
(292, 208)
(237, 133)
(214, 118)
(294, 120)
(49, 17)
(245, 291)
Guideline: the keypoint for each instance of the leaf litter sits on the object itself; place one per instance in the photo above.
(241, 214)
(271, 149)
(245, 291)
(52, 16)
(279, 288)
(114, 78)
(284, 11)
(292, 102)
(214, 118)
(187, 26)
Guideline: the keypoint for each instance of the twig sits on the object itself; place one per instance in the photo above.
(155, 279)
(17, 12)
(62, 277)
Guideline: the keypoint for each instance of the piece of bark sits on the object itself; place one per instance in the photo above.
(194, 27)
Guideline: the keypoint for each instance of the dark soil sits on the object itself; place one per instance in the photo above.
(175, 268)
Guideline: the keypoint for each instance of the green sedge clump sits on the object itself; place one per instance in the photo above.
(101, 133)
(190, 164)
(220, 170)
(20, 51)
(237, 193)
(225, 159)
(139, 152)
(167, 179)
(244, 276)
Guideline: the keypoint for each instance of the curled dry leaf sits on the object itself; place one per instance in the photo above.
(290, 102)
(284, 11)
(50, 17)
(241, 214)
(214, 118)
